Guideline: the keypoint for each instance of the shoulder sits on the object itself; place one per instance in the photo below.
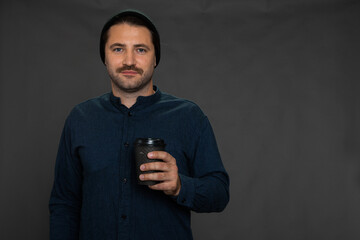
(181, 105)
(90, 106)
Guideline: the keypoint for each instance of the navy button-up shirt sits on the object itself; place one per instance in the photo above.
(95, 195)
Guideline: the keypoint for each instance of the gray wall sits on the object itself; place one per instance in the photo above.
(279, 80)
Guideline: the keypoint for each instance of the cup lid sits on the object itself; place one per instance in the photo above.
(149, 141)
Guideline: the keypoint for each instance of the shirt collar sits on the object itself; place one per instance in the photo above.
(141, 101)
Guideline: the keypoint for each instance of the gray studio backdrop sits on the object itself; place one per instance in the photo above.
(279, 80)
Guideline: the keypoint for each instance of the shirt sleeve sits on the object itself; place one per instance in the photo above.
(65, 199)
(207, 189)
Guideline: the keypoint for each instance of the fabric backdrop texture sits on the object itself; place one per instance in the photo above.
(278, 79)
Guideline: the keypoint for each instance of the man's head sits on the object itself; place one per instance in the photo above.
(132, 18)
(130, 50)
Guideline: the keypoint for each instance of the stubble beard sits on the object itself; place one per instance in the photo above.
(130, 84)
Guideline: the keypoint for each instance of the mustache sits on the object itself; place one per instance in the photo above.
(131, 67)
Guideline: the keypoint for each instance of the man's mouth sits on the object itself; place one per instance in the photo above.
(127, 72)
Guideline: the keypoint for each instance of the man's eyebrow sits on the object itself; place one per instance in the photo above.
(142, 45)
(136, 45)
(117, 45)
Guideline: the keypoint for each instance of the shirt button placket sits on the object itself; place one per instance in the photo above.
(124, 204)
(126, 145)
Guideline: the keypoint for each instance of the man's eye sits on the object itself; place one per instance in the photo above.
(118, 50)
(141, 50)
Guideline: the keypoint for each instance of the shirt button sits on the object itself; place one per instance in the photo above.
(123, 216)
(126, 144)
(130, 114)
(124, 180)
(183, 201)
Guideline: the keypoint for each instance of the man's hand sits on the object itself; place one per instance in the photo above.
(169, 177)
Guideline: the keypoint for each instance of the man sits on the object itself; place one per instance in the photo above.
(95, 193)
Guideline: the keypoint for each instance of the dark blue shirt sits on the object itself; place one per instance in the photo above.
(95, 195)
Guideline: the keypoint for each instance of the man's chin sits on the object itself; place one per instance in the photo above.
(131, 86)
(132, 89)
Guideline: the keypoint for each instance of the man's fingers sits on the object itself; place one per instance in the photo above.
(158, 176)
(166, 157)
(168, 188)
(159, 166)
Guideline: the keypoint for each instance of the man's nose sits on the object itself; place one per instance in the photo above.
(129, 58)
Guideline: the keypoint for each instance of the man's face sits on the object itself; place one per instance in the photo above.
(130, 57)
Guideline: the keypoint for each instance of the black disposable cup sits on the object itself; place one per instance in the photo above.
(142, 146)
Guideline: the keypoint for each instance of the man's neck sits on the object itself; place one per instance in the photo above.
(129, 99)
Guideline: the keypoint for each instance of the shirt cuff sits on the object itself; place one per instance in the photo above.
(187, 191)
